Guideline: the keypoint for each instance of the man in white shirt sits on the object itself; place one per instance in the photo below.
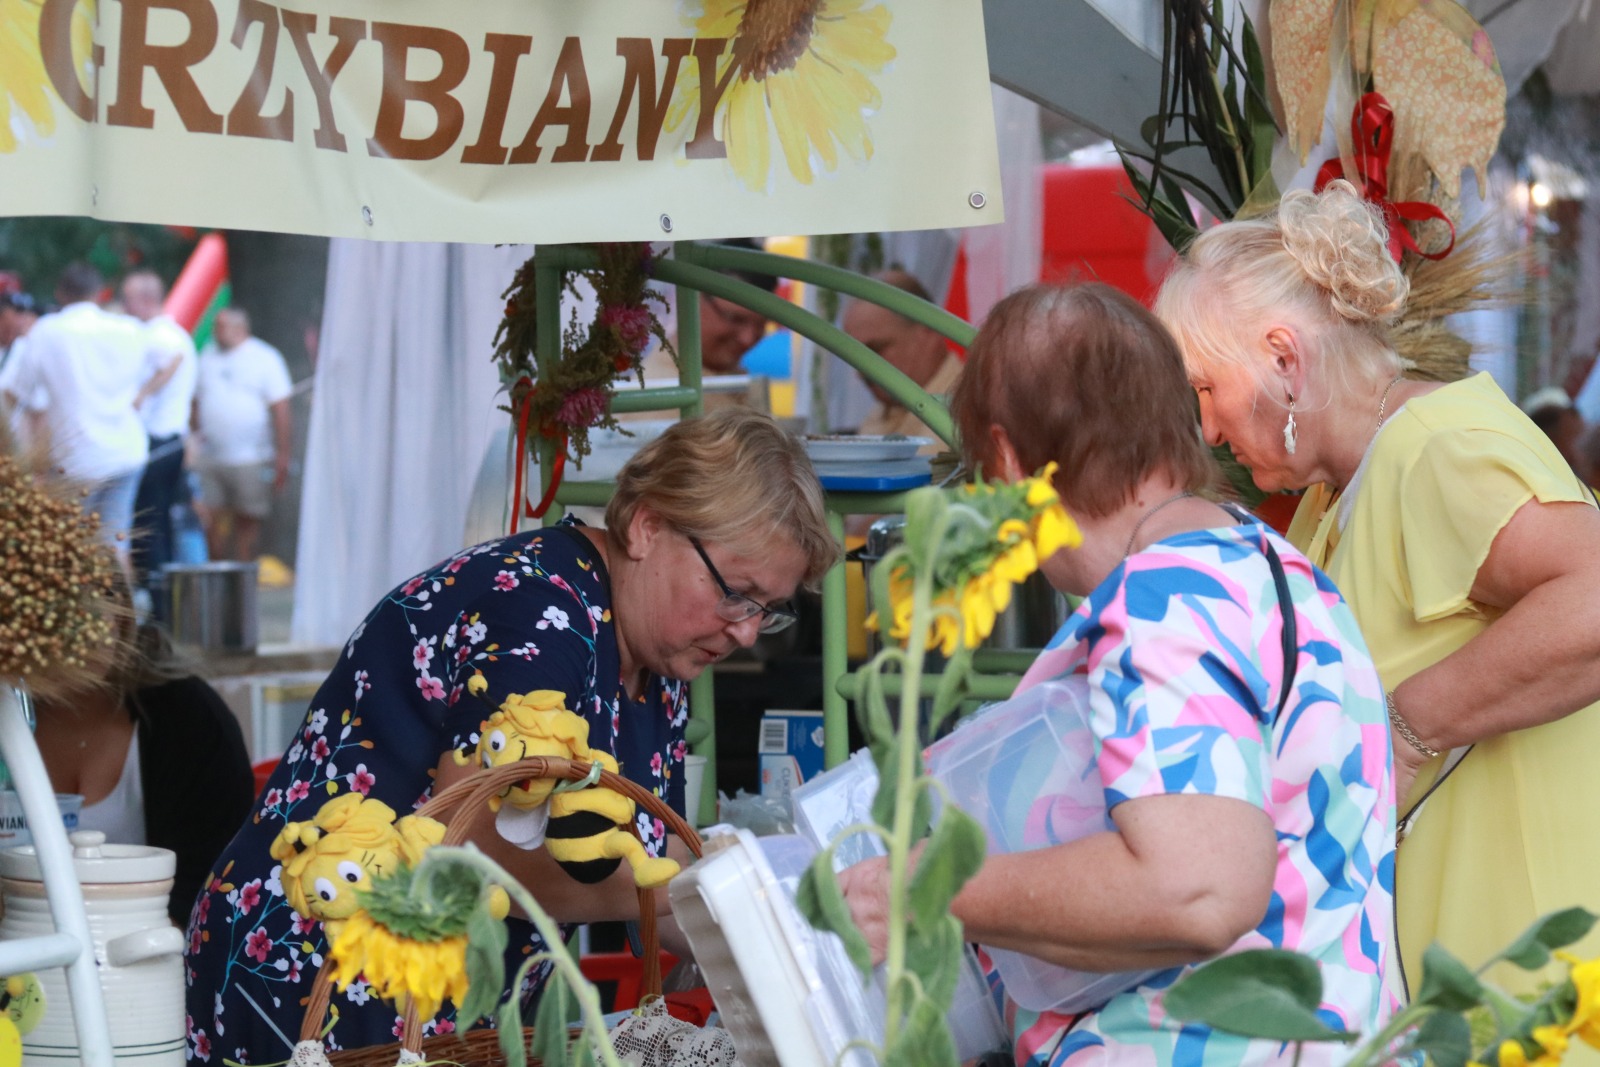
(82, 376)
(18, 312)
(166, 417)
(241, 415)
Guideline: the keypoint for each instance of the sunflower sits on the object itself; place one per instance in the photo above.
(429, 972)
(24, 85)
(800, 69)
(1007, 530)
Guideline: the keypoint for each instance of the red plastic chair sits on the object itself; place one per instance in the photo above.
(624, 971)
(263, 770)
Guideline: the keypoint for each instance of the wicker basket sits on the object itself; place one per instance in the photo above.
(481, 1048)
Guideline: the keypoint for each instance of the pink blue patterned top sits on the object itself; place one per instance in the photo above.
(1183, 647)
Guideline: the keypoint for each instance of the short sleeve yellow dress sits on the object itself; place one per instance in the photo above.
(1513, 832)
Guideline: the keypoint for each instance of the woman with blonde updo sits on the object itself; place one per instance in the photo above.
(1467, 548)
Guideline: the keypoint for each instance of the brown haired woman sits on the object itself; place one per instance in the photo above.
(1237, 719)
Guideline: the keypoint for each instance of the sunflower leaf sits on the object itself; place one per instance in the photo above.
(1447, 983)
(1531, 950)
(557, 1007)
(1267, 993)
(952, 855)
(1447, 1039)
(485, 965)
(822, 902)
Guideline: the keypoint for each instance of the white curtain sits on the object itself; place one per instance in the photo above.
(405, 407)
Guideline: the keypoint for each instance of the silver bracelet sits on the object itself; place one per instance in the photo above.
(1405, 731)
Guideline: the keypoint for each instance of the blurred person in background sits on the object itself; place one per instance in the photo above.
(18, 312)
(912, 348)
(727, 331)
(82, 377)
(166, 421)
(242, 423)
(1552, 410)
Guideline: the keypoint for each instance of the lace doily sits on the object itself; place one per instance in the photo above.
(651, 1037)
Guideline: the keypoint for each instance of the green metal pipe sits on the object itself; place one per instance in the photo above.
(547, 351)
(680, 270)
(906, 392)
(845, 282)
(978, 686)
(656, 398)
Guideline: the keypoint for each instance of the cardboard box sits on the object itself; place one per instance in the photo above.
(790, 749)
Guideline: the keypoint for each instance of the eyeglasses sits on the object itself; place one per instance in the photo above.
(736, 607)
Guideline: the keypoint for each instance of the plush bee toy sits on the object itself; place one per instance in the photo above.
(582, 829)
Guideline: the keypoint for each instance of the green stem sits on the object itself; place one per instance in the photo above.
(908, 779)
(588, 999)
(1375, 1051)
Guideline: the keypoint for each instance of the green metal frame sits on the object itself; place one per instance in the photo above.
(696, 267)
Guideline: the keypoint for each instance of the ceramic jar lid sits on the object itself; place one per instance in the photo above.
(97, 863)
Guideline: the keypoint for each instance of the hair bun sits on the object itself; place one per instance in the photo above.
(1342, 244)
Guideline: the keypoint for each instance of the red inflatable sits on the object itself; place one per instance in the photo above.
(197, 285)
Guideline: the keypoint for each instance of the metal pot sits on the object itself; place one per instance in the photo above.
(209, 607)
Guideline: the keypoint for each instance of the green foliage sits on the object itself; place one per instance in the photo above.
(431, 903)
(954, 853)
(1532, 950)
(821, 901)
(39, 247)
(1455, 1018)
(1262, 993)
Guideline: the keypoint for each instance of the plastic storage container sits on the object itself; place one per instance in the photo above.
(1025, 770)
(787, 992)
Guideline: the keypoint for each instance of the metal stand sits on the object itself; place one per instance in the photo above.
(71, 945)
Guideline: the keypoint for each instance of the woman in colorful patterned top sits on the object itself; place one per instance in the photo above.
(1245, 763)
(1468, 549)
(712, 529)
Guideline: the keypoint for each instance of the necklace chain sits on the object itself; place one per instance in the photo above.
(1383, 404)
(1128, 551)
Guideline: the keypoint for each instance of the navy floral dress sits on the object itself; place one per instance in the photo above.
(531, 611)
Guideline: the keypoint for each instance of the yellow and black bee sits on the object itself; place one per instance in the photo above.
(586, 833)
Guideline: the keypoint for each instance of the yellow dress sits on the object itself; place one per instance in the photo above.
(1514, 831)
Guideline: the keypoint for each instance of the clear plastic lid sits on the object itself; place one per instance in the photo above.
(1025, 768)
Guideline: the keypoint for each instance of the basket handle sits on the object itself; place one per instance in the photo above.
(463, 800)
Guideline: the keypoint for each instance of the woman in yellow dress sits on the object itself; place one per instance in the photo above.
(1466, 546)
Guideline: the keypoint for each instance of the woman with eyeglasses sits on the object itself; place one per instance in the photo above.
(713, 529)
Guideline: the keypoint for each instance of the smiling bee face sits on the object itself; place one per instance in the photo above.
(524, 729)
(336, 873)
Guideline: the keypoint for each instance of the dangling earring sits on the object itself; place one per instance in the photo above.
(1289, 428)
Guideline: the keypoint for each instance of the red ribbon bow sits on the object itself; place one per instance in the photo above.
(1372, 134)
(518, 501)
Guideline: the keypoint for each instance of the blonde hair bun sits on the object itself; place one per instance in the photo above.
(1341, 242)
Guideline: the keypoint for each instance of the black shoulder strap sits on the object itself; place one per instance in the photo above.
(1291, 638)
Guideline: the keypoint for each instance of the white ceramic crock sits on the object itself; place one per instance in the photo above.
(139, 951)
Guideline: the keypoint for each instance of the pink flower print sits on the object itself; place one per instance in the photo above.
(462, 653)
(505, 581)
(302, 924)
(432, 688)
(320, 750)
(202, 1046)
(444, 1026)
(412, 586)
(399, 1027)
(249, 896)
(655, 764)
(422, 655)
(561, 583)
(360, 779)
(680, 750)
(455, 696)
(294, 966)
(456, 564)
(258, 945)
(553, 616)
(582, 407)
(658, 829)
(273, 798)
(298, 791)
(362, 685)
